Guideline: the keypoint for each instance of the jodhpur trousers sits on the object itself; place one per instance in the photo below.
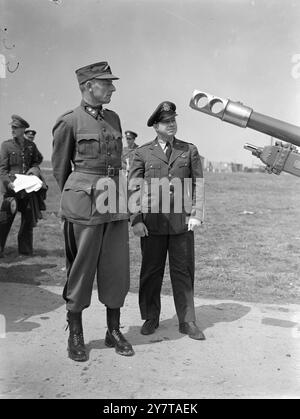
(100, 251)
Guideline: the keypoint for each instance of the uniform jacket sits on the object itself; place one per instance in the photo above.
(127, 156)
(150, 162)
(15, 159)
(85, 147)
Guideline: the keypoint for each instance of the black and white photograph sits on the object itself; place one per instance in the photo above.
(149, 202)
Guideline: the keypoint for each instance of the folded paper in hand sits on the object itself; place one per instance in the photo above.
(30, 183)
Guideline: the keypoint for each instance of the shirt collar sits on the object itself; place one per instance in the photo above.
(163, 143)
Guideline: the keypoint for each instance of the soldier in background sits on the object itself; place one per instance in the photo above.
(18, 156)
(128, 152)
(30, 134)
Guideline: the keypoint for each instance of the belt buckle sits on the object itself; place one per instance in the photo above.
(111, 171)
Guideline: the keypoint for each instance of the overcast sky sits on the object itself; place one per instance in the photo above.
(161, 50)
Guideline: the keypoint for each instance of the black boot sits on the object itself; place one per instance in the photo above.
(76, 347)
(114, 338)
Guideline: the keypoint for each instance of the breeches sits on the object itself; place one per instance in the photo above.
(180, 248)
(101, 251)
(25, 235)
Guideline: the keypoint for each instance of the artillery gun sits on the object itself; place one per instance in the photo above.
(278, 157)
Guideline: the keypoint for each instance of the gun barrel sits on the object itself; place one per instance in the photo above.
(256, 151)
(238, 114)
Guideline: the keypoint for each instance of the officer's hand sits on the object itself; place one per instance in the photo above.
(194, 223)
(10, 186)
(140, 230)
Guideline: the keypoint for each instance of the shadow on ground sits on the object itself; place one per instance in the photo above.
(25, 273)
(12, 255)
(207, 316)
(17, 304)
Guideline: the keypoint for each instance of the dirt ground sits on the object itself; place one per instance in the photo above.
(251, 351)
(247, 302)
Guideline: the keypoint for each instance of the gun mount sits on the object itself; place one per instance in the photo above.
(280, 157)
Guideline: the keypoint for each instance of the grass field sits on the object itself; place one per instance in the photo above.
(248, 250)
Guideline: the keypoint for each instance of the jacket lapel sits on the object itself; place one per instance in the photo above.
(158, 152)
(178, 148)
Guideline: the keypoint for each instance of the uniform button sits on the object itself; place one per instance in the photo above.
(170, 175)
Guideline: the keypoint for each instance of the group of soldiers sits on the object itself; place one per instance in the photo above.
(19, 156)
(87, 147)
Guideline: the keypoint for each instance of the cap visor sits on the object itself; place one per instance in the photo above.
(107, 77)
(168, 118)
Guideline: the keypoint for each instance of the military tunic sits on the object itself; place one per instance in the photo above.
(168, 231)
(87, 148)
(127, 157)
(17, 159)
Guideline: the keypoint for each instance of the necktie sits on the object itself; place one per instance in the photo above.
(168, 150)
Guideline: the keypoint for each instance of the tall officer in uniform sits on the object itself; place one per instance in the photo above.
(89, 140)
(169, 231)
(18, 156)
(128, 152)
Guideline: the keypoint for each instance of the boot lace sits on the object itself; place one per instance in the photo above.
(78, 339)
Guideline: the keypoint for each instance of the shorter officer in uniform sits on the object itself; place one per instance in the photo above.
(30, 134)
(18, 156)
(128, 152)
(168, 231)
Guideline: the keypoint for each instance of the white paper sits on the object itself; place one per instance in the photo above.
(30, 183)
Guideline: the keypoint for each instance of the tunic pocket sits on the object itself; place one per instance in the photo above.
(152, 169)
(76, 203)
(13, 158)
(184, 169)
(88, 145)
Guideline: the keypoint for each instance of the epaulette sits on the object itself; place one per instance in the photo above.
(67, 113)
(7, 141)
(182, 141)
(144, 145)
(109, 110)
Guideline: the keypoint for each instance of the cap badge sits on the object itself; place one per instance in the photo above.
(166, 107)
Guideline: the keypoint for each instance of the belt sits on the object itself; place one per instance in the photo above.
(108, 171)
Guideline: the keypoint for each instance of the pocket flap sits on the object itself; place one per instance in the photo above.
(87, 137)
(153, 165)
(78, 187)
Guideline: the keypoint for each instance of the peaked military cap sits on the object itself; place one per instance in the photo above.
(164, 112)
(19, 122)
(30, 131)
(99, 70)
(130, 134)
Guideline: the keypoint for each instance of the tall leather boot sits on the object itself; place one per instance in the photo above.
(76, 347)
(114, 338)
